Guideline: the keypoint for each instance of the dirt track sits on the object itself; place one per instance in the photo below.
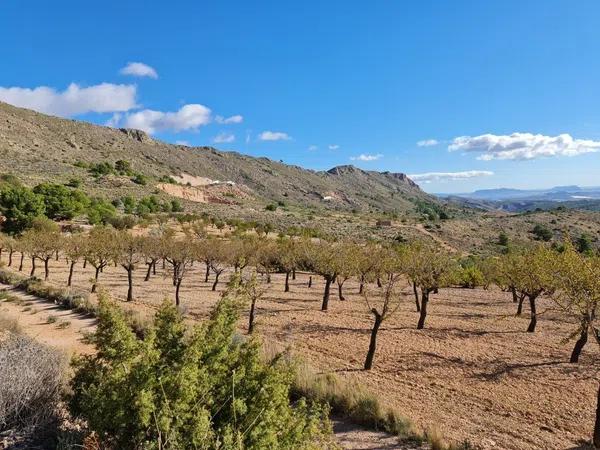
(474, 372)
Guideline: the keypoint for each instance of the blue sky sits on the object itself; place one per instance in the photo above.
(330, 82)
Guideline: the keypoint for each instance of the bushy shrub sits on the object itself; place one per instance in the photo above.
(31, 377)
(174, 389)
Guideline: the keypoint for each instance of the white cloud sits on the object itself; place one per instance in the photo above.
(113, 122)
(273, 136)
(449, 176)
(428, 142)
(227, 120)
(189, 117)
(73, 101)
(138, 69)
(186, 143)
(333, 147)
(521, 146)
(222, 138)
(363, 157)
(312, 148)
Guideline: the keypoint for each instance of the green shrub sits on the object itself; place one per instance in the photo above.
(203, 389)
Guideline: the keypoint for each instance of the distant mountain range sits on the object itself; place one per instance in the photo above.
(523, 199)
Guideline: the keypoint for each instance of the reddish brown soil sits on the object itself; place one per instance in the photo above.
(473, 372)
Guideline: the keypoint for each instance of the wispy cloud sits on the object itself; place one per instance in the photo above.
(428, 143)
(523, 146)
(366, 157)
(449, 176)
(188, 117)
(138, 69)
(74, 100)
(273, 136)
(312, 148)
(333, 147)
(223, 138)
(228, 120)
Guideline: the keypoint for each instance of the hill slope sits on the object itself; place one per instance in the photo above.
(37, 147)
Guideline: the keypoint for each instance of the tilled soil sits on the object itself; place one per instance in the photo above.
(474, 373)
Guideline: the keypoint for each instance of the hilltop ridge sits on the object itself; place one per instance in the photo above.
(37, 147)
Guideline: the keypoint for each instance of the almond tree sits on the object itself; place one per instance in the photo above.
(75, 249)
(382, 303)
(287, 259)
(181, 256)
(321, 259)
(206, 252)
(218, 260)
(42, 244)
(507, 275)
(536, 273)
(429, 268)
(11, 245)
(267, 258)
(99, 250)
(251, 289)
(578, 293)
(366, 263)
(242, 251)
(128, 254)
(151, 248)
(346, 265)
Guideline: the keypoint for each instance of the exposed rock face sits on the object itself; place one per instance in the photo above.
(401, 177)
(137, 135)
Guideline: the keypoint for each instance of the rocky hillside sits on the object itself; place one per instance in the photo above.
(38, 147)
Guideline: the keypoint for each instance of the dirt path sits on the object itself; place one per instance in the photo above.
(66, 331)
(47, 323)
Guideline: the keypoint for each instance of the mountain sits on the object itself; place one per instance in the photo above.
(36, 147)
(517, 200)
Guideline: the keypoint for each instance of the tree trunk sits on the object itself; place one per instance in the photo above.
(10, 253)
(149, 272)
(214, 286)
(294, 274)
(310, 281)
(515, 297)
(164, 264)
(32, 273)
(207, 274)
(373, 342)
(71, 268)
(154, 267)
(84, 263)
(21, 264)
(46, 269)
(251, 318)
(378, 282)
(130, 284)
(423, 315)
(596, 439)
(177, 286)
(416, 292)
(340, 292)
(520, 305)
(57, 255)
(579, 345)
(287, 282)
(325, 304)
(533, 322)
(361, 286)
(96, 279)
